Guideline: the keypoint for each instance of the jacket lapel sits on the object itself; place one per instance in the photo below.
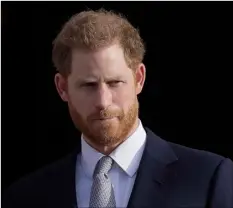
(154, 173)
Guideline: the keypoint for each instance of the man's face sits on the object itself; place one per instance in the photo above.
(102, 94)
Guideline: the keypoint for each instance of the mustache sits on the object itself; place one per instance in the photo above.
(105, 114)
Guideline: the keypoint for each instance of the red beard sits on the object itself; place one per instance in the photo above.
(106, 132)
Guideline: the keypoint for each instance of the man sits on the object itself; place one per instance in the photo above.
(120, 163)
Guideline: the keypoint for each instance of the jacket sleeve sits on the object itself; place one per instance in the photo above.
(221, 191)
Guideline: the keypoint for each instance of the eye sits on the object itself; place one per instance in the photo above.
(115, 83)
(89, 84)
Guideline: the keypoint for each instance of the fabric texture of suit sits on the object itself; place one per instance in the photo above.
(169, 176)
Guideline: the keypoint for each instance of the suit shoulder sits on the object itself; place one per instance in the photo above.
(197, 157)
(42, 177)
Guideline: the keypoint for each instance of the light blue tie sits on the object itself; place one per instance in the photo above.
(102, 194)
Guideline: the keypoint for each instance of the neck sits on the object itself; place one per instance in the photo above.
(106, 150)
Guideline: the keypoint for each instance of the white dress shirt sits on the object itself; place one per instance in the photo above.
(126, 156)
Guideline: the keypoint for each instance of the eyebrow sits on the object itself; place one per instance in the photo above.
(95, 79)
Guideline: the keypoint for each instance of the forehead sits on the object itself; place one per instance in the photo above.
(109, 60)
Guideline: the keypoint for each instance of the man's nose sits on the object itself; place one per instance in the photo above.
(103, 97)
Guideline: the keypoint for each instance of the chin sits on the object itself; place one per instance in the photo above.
(106, 134)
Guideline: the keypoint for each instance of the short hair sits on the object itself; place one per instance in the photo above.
(92, 30)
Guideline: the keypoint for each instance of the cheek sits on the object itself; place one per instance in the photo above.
(124, 98)
(80, 103)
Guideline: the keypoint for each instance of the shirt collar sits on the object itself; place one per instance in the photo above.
(127, 155)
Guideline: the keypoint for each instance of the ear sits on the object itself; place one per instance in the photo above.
(140, 77)
(61, 86)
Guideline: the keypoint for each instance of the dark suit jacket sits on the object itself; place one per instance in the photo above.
(169, 176)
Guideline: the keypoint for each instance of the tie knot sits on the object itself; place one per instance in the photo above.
(104, 165)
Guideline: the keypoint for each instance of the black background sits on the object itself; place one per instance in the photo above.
(187, 95)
